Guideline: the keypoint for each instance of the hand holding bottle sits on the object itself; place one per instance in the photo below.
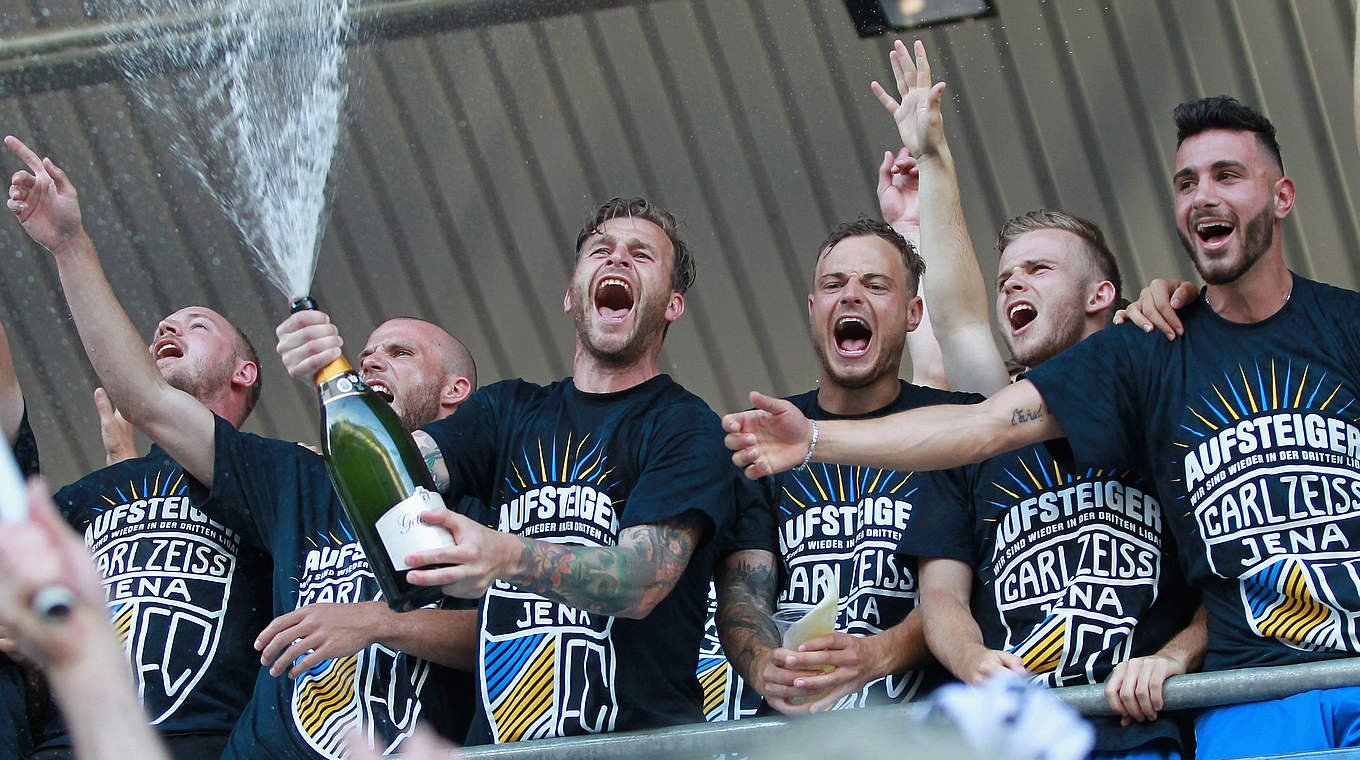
(308, 341)
(477, 557)
(377, 471)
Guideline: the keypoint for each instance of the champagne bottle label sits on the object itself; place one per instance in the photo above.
(402, 532)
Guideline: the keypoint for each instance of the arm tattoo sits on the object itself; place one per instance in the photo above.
(1021, 416)
(434, 459)
(746, 598)
(627, 579)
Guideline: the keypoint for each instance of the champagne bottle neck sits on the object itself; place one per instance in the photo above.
(333, 370)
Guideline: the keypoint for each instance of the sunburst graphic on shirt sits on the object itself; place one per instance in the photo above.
(1252, 389)
(1256, 388)
(153, 485)
(325, 706)
(520, 682)
(570, 461)
(1042, 650)
(822, 483)
(1283, 604)
(1041, 473)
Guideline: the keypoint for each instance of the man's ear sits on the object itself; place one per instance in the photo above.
(455, 391)
(247, 372)
(675, 307)
(1102, 297)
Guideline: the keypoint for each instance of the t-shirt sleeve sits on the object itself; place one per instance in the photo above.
(754, 527)
(261, 475)
(1093, 390)
(684, 468)
(26, 448)
(467, 441)
(941, 523)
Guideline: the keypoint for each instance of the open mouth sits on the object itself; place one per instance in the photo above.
(852, 336)
(168, 349)
(380, 388)
(1020, 315)
(1212, 233)
(613, 298)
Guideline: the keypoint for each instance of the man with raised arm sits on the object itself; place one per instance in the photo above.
(862, 308)
(1243, 423)
(607, 491)
(353, 660)
(839, 527)
(1015, 578)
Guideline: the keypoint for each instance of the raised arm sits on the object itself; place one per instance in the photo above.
(45, 203)
(955, 290)
(775, 436)
(899, 189)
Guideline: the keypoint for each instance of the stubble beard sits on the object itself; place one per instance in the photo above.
(202, 380)
(883, 365)
(418, 406)
(1064, 334)
(649, 319)
(1256, 238)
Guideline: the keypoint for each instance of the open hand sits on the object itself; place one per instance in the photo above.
(771, 438)
(918, 112)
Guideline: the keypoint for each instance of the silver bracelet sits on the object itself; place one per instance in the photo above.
(812, 446)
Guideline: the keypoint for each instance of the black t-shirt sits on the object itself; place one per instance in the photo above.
(16, 738)
(1249, 431)
(285, 493)
(844, 523)
(186, 591)
(566, 466)
(1073, 570)
(726, 695)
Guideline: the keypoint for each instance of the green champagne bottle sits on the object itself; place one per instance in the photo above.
(380, 477)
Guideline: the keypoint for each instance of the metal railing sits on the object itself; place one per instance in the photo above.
(903, 728)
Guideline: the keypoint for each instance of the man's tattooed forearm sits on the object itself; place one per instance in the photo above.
(745, 600)
(612, 580)
(1021, 416)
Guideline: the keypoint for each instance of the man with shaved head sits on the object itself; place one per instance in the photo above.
(350, 661)
(422, 370)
